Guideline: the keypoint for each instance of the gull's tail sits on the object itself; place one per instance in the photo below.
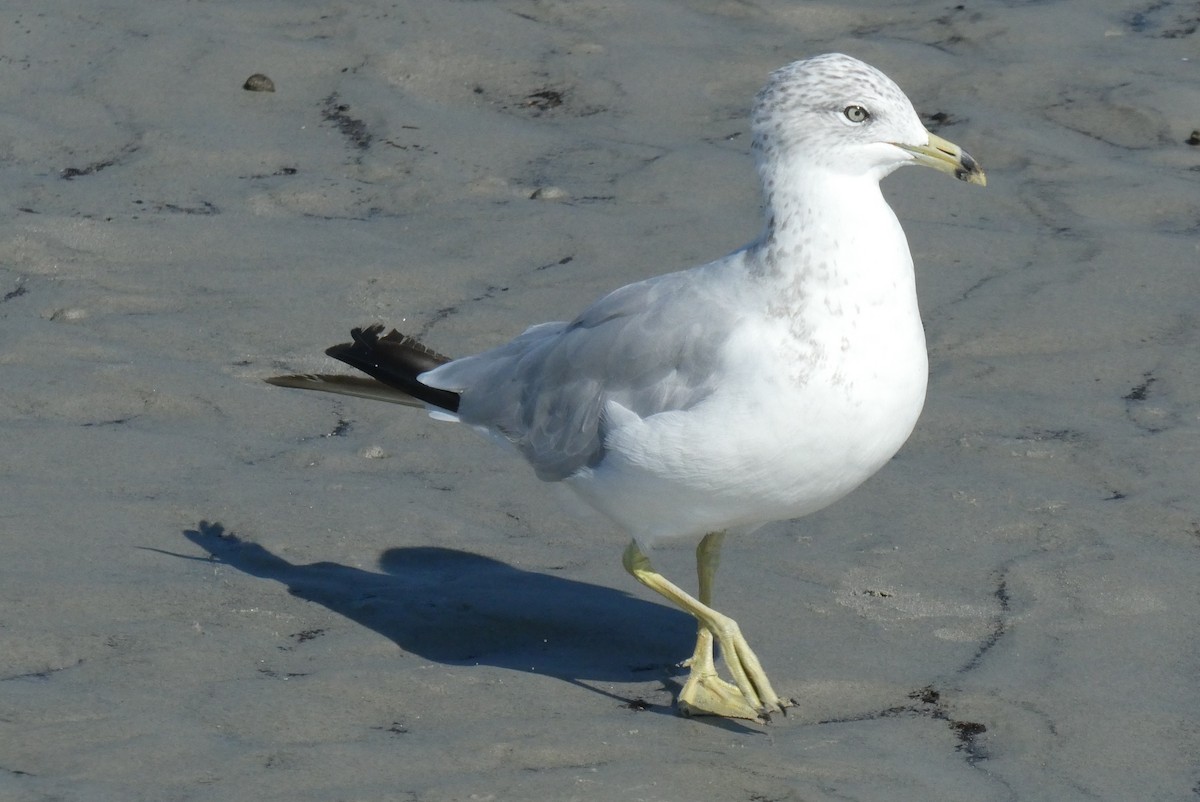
(394, 362)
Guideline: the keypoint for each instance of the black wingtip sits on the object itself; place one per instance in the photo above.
(396, 360)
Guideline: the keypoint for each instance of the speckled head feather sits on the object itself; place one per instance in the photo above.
(801, 116)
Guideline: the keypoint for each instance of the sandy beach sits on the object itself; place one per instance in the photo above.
(215, 589)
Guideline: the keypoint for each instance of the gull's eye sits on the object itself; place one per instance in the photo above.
(856, 114)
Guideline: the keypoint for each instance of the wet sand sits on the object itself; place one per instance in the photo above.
(211, 588)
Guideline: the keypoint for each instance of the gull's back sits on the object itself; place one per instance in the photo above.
(651, 347)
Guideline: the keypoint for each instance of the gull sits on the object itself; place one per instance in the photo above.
(759, 387)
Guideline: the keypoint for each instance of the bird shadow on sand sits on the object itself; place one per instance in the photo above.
(458, 608)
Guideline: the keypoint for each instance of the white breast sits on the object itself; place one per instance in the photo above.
(763, 450)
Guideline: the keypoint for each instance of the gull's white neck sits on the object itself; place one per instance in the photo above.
(836, 274)
(832, 232)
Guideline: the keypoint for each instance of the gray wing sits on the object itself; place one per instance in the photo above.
(651, 347)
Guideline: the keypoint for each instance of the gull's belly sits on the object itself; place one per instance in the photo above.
(761, 451)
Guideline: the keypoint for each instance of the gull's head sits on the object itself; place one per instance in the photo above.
(835, 113)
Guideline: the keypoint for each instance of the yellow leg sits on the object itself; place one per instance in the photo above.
(705, 693)
(708, 559)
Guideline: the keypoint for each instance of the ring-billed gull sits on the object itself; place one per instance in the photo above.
(759, 387)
